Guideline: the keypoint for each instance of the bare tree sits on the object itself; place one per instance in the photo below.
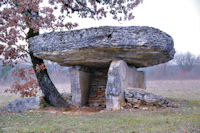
(186, 61)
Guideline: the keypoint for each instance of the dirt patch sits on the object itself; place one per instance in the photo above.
(72, 110)
(93, 110)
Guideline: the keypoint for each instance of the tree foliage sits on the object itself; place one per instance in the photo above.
(28, 85)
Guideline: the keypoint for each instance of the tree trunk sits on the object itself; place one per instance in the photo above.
(51, 94)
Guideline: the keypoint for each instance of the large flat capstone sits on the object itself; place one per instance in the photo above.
(97, 47)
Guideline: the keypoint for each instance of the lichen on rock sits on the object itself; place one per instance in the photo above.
(140, 46)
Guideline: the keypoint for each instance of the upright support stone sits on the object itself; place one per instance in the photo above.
(120, 77)
(79, 86)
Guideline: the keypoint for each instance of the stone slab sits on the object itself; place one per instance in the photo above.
(79, 81)
(120, 77)
(140, 46)
(137, 96)
(23, 104)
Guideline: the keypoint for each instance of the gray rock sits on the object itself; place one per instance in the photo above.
(79, 81)
(138, 96)
(23, 104)
(66, 96)
(120, 77)
(138, 46)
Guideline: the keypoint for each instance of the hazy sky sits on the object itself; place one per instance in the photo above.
(179, 18)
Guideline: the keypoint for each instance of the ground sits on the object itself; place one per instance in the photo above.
(184, 119)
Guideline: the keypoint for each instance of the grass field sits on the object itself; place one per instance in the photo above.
(184, 119)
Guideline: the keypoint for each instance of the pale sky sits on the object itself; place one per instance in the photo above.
(178, 18)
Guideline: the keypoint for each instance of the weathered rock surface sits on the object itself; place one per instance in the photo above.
(97, 47)
(79, 86)
(120, 77)
(137, 96)
(67, 96)
(23, 104)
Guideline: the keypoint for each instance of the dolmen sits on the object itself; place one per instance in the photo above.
(104, 60)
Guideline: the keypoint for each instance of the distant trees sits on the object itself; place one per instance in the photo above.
(183, 66)
(186, 61)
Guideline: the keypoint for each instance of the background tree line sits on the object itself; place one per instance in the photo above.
(183, 66)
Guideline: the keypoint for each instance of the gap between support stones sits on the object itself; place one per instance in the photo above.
(88, 86)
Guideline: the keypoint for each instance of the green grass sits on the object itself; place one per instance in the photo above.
(186, 118)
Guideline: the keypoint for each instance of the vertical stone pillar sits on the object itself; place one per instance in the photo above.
(121, 77)
(79, 86)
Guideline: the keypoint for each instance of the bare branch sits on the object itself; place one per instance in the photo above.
(186, 61)
(76, 9)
